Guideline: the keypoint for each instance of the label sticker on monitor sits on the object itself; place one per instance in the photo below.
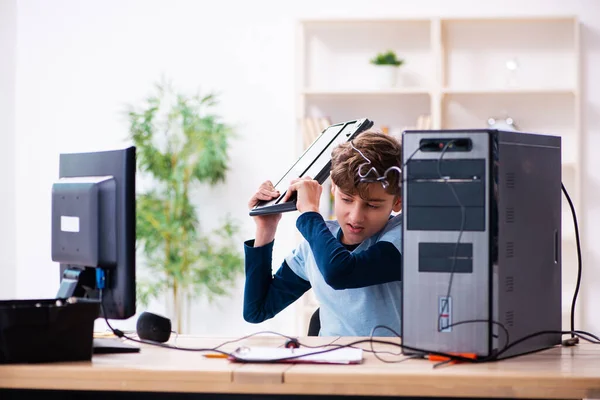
(69, 224)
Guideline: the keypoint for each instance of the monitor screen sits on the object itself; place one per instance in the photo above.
(93, 226)
(314, 162)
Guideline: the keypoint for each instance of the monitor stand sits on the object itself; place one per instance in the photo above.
(113, 346)
(79, 283)
(76, 282)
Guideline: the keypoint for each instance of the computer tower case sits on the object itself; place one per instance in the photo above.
(481, 215)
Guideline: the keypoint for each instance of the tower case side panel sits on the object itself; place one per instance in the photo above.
(527, 290)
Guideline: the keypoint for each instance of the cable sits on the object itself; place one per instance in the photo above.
(100, 284)
(237, 358)
(589, 334)
(420, 352)
(376, 353)
(575, 334)
(470, 321)
(579, 334)
(452, 357)
(272, 333)
(100, 279)
(578, 244)
(445, 304)
(121, 334)
(381, 178)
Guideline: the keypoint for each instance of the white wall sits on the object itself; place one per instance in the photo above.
(79, 62)
(8, 58)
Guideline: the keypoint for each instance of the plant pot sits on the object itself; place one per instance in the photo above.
(385, 76)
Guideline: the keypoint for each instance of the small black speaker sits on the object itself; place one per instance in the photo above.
(153, 327)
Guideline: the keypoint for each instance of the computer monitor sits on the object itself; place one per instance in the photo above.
(93, 226)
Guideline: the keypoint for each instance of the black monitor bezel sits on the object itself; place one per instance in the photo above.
(119, 294)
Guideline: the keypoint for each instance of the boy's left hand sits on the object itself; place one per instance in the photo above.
(309, 194)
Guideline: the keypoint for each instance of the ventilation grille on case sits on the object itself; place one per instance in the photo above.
(510, 180)
(510, 215)
(509, 284)
(510, 249)
(509, 318)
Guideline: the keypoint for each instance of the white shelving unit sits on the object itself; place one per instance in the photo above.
(460, 72)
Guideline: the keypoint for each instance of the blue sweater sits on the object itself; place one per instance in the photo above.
(366, 275)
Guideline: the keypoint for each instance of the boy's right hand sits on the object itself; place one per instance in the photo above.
(266, 191)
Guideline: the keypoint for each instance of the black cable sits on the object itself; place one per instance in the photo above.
(231, 355)
(254, 334)
(470, 321)
(404, 164)
(445, 304)
(276, 334)
(578, 243)
(462, 228)
(237, 358)
(535, 334)
(589, 334)
(420, 352)
(119, 333)
(492, 357)
(377, 353)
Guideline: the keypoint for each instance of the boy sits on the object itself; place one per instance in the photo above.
(353, 264)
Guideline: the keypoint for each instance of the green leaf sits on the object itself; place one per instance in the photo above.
(387, 58)
(181, 144)
(145, 291)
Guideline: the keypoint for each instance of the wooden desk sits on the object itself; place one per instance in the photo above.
(555, 373)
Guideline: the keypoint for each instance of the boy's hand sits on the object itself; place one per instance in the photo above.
(308, 194)
(266, 191)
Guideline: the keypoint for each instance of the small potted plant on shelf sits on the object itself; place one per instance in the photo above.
(387, 64)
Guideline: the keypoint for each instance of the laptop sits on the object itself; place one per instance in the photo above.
(314, 162)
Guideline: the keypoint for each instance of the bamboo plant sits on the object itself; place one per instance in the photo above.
(180, 144)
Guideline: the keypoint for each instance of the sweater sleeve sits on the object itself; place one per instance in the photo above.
(342, 269)
(266, 295)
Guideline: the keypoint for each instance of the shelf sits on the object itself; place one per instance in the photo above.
(514, 19)
(460, 72)
(360, 21)
(528, 110)
(507, 53)
(501, 91)
(366, 92)
(407, 109)
(337, 55)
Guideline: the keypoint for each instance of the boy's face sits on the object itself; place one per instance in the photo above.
(361, 218)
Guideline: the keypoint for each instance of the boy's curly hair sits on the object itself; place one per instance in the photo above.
(382, 150)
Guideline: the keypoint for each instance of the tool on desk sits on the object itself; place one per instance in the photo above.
(239, 351)
(448, 360)
(216, 355)
(317, 355)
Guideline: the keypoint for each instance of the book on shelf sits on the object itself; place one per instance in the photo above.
(423, 123)
(312, 128)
